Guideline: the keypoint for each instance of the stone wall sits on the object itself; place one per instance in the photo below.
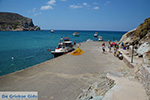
(143, 76)
(127, 58)
(128, 63)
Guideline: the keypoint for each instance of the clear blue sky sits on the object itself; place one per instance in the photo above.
(112, 15)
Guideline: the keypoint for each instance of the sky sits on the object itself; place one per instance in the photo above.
(109, 15)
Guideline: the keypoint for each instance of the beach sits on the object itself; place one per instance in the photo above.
(65, 77)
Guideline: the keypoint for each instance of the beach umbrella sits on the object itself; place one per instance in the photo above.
(113, 43)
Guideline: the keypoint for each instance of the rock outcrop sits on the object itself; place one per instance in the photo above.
(140, 37)
(16, 22)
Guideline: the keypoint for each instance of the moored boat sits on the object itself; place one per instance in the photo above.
(76, 34)
(63, 47)
(100, 38)
(52, 31)
(59, 50)
(96, 34)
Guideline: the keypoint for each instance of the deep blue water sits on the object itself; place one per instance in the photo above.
(19, 50)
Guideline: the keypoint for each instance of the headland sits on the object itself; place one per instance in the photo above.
(16, 22)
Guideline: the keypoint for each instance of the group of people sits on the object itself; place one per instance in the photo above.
(109, 46)
(117, 53)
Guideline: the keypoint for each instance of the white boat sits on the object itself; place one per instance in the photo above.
(96, 34)
(59, 50)
(67, 44)
(100, 38)
(63, 47)
(76, 34)
(52, 31)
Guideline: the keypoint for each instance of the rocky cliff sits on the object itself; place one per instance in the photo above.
(16, 22)
(140, 37)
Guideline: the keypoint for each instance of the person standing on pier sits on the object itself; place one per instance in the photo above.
(103, 47)
(115, 50)
(109, 45)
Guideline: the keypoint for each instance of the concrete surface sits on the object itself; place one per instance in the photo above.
(125, 89)
(63, 78)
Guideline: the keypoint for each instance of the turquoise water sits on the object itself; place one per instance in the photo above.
(19, 50)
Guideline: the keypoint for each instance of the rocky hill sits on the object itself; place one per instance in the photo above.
(16, 22)
(140, 37)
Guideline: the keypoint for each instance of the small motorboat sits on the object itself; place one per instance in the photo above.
(96, 34)
(76, 34)
(63, 47)
(67, 44)
(52, 31)
(59, 50)
(100, 38)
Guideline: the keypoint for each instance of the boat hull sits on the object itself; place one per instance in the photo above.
(56, 54)
(95, 35)
(100, 39)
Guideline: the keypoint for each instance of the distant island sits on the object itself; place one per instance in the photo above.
(16, 22)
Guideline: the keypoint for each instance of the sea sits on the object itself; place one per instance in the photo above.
(23, 49)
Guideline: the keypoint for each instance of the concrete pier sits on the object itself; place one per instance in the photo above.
(63, 78)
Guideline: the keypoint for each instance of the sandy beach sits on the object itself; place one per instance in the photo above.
(65, 77)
